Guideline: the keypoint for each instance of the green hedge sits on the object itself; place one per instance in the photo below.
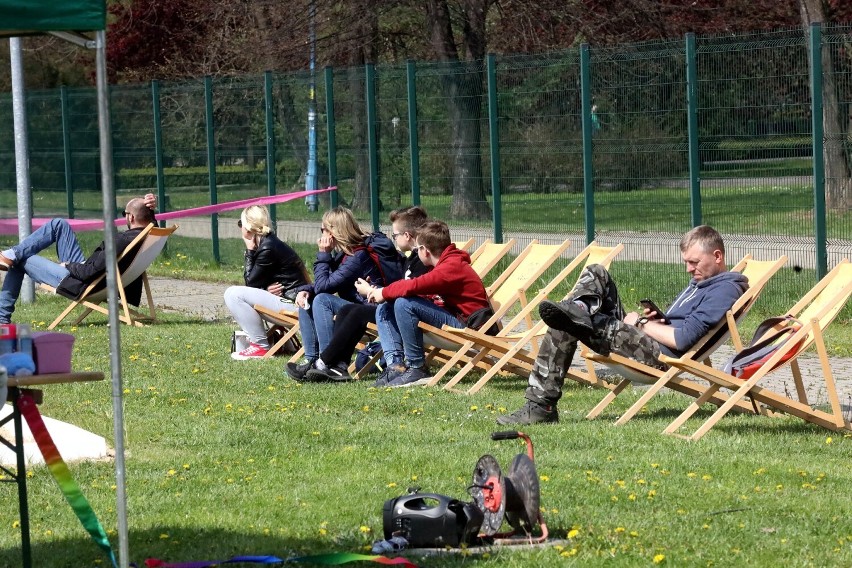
(191, 176)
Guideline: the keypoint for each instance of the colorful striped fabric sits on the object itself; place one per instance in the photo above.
(60, 473)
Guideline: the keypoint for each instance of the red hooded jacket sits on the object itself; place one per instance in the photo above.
(452, 278)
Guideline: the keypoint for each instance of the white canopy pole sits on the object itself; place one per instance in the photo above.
(22, 155)
(108, 187)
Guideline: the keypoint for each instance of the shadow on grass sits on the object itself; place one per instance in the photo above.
(191, 544)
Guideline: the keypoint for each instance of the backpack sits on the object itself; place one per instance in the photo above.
(386, 257)
(771, 335)
(365, 354)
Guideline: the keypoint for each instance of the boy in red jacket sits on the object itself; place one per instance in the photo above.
(451, 277)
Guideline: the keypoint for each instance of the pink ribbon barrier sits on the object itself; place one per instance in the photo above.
(10, 226)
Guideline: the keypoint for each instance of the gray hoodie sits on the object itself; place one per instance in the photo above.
(702, 305)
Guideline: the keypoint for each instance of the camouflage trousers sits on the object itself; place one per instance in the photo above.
(611, 335)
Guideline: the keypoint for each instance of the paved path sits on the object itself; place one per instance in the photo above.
(204, 300)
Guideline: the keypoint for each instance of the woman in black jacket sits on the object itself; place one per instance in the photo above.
(273, 271)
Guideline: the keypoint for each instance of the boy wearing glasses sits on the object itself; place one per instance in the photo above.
(452, 278)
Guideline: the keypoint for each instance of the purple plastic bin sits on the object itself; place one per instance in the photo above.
(52, 352)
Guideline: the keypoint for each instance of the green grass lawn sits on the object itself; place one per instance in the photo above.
(230, 458)
(739, 207)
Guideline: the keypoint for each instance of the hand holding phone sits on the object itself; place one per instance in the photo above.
(649, 305)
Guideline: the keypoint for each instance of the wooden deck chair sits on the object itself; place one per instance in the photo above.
(147, 246)
(464, 245)
(289, 324)
(517, 348)
(486, 257)
(758, 273)
(508, 291)
(815, 311)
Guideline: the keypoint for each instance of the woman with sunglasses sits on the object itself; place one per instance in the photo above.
(343, 258)
(273, 272)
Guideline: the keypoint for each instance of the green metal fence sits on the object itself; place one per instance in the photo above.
(634, 143)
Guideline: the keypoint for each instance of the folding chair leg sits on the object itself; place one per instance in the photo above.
(830, 385)
(723, 410)
(281, 342)
(643, 400)
(693, 407)
(607, 400)
(63, 315)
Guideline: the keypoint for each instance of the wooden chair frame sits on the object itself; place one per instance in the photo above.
(510, 349)
(147, 247)
(816, 310)
(633, 371)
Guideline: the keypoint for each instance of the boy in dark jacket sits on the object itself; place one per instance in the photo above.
(595, 315)
(451, 277)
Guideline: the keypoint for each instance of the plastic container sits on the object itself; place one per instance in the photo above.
(8, 338)
(25, 340)
(52, 352)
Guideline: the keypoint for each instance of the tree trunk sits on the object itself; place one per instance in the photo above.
(838, 178)
(464, 100)
(462, 87)
(293, 124)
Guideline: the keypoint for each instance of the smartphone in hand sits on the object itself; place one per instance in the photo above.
(649, 304)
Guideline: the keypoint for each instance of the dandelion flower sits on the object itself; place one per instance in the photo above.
(658, 558)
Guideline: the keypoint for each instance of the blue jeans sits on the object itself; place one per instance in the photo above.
(411, 311)
(317, 324)
(389, 335)
(27, 261)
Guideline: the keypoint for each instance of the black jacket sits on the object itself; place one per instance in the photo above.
(81, 274)
(274, 261)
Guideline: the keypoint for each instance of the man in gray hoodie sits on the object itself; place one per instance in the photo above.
(595, 315)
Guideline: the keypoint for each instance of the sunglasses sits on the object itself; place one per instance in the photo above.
(324, 230)
(240, 223)
(125, 213)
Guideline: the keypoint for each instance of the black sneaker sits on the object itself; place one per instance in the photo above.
(297, 371)
(390, 373)
(412, 377)
(531, 413)
(567, 316)
(338, 373)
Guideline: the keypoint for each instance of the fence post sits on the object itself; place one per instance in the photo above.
(588, 166)
(269, 107)
(494, 147)
(818, 146)
(413, 138)
(372, 145)
(332, 137)
(158, 149)
(692, 130)
(211, 163)
(66, 150)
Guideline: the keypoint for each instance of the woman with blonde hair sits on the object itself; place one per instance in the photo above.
(273, 272)
(346, 253)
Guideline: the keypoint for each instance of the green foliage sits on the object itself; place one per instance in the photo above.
(190, 177)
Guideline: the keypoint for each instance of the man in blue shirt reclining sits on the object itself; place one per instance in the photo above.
(595, 315)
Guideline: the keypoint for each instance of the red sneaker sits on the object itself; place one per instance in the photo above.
(253, 351)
